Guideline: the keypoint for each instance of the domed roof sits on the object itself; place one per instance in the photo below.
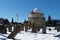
(37, 10)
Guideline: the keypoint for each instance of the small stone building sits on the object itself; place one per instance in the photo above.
(37, 17)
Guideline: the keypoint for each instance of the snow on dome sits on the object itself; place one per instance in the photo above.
(37, 10)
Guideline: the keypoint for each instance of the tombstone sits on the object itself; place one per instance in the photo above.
(58, 28)
(34, 28)
(15, 26)
(26, 27)
(22, 27)
(14, 33)
(44, 29)
(29, 25)
(38, 28)
(3, 29)
(10, 28)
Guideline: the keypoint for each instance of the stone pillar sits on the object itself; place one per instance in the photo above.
(15, 26)
(26, 27)
(29, 25)
(44, 29)
(44, 26)
(10, 28)
(38, 28)
(22, 28)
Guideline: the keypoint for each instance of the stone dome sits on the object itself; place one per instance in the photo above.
(37, 10)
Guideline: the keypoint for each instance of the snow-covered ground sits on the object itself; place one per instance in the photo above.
(34, 36)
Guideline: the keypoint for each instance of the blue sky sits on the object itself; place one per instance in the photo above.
(9, 8)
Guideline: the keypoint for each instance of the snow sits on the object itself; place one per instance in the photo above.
(37, 10)
(38, 36)
(33, 36)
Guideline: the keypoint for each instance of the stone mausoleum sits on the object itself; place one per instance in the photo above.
(37, 17)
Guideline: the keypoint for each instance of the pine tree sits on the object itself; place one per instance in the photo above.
(49, 21)
(6, 21)
(12, 20)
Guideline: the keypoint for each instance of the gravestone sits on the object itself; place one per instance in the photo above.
(58, 28)
(38, 28)
(22, 27)
(44, 29)
(26, 25)
(10, 28)
(3, 29)
(26, 28)
(29, 25)
(34, 28)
